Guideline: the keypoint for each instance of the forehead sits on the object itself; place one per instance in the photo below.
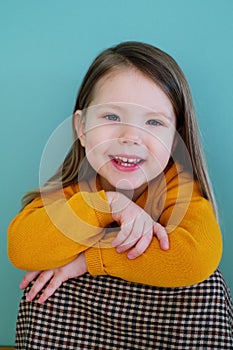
(131, 86)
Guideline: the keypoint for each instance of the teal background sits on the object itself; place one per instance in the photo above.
(46, 47)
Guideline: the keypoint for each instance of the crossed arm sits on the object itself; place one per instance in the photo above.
(134, 236)
(35, 243)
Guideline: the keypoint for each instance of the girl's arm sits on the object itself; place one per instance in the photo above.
(195, 251)
(194, 254)
(194, 238)
(61, 229)
(48, 235)
(195, 246)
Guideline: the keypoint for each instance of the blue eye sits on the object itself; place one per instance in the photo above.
(154, 122)
(112, 117)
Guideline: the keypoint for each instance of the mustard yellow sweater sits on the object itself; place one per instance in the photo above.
(51, 231)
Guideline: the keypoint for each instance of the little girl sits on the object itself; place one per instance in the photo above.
(123, 237)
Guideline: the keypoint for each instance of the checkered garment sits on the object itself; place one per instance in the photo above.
(108, 313)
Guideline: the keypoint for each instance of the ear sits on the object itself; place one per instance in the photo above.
(79, 124)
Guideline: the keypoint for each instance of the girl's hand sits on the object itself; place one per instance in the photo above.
(137, 227)
(55, 277)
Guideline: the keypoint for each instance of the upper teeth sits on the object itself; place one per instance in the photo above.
(128, 160)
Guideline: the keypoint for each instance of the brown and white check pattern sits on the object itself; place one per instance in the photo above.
(108, 313)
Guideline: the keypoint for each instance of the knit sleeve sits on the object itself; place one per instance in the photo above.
(195, 245)
(47, 235)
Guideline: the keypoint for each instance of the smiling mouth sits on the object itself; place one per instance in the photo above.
(127, 162)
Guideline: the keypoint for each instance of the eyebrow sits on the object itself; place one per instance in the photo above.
(156, 113)
(117, 106)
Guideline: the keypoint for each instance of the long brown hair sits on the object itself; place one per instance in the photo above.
(165, 72)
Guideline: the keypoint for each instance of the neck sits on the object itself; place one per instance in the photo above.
(132, 194)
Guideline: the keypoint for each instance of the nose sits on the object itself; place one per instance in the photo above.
(129, 135)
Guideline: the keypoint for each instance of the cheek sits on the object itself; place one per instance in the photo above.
(162, 145)
(93, 139)
(161, 150)
(168, 141)
(99, 140)
(96, 150)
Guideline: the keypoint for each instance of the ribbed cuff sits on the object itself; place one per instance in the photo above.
(102, 209)
(94, 261)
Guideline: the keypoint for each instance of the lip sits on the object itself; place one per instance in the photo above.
(126, 162)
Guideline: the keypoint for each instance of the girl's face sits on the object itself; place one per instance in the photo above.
(128, 130)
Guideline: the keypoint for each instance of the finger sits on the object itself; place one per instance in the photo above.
(28, 277)
(127, 245)
(40, 282)
(53, 285)
(139, 229)
(162, 235)
(141, 246)
(135, 234)
(123, 234)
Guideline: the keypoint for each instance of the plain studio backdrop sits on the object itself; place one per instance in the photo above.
(46, 48)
